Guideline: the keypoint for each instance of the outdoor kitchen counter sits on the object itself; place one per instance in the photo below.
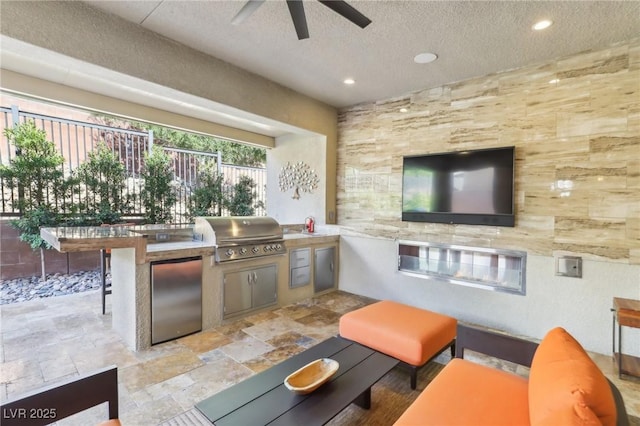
(133, 248)
(142, 238)
(89, 238)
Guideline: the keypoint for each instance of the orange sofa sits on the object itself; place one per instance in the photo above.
(565, 387)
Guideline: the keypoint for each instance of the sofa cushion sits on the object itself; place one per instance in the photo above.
(410, 334)
(577, 414)
(466, 393)
(564, 379)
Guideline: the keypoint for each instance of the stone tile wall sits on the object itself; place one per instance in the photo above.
(575, 123)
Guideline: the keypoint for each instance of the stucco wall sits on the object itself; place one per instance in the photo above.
(311, 150)
(577, 189)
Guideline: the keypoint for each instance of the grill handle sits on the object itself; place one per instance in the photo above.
(236, 241)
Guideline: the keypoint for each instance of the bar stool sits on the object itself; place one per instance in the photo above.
(105, 262)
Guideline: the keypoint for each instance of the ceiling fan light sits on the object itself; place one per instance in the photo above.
(541, 25)
(425, 58)
(349, 81)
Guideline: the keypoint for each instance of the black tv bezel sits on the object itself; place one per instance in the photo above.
(488, 219)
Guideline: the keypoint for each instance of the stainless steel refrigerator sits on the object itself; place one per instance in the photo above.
(176, 298)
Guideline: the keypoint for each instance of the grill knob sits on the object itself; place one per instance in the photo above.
(278, 247)
(267, 248)
(243, 250)
(229, 253)
(255, 249)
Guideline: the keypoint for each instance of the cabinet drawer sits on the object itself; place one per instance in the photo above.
(300, 276)
(299, 257)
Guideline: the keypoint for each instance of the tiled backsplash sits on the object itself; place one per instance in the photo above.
(575, 123)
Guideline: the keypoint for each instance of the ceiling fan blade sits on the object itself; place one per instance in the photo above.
(343, 8)
(246, 11)
(296, 9)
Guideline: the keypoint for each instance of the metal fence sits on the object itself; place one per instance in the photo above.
(75, 140)
(188, 165)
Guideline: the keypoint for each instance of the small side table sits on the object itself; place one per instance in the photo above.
(627, 312)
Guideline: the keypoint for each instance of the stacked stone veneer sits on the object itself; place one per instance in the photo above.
(575, 123)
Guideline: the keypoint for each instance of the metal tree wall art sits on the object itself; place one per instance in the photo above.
(298, 176)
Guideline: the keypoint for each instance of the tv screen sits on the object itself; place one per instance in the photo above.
(467, 187)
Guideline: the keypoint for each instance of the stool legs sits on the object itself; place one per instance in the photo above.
(104, 257)
(414, 377)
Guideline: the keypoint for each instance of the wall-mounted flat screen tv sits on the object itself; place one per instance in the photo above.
(467, 187)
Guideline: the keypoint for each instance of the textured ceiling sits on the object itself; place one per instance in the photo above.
(471, 38)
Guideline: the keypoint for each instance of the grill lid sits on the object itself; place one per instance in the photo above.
(229, 230)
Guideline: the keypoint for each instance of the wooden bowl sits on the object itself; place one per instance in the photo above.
(311, 376)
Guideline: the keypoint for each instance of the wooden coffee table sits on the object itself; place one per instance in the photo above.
(263, 399)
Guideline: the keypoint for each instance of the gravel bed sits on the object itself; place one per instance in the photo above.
(23, 289)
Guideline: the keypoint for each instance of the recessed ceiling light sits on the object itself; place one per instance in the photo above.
(541, 25)
(425, 58)
(349, 81)
(403, 110)
(554, 81)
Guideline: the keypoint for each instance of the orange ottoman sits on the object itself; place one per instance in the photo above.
(409, 334)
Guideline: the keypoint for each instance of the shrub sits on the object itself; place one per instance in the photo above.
(242, 202)
(37, 176)
(158, 193)
(206, 198)
(103, 178)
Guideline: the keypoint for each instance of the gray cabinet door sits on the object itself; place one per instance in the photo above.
(237, 292)
(323, 274)
(265, 283)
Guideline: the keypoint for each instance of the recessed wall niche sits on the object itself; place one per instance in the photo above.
(489, 269)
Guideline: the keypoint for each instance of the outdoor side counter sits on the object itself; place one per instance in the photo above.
(89, 238)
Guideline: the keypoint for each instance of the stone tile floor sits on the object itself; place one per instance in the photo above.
(48, 340)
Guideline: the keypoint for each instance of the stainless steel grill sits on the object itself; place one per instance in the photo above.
(241, 237)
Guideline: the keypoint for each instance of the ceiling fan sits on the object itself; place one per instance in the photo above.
(296, 9)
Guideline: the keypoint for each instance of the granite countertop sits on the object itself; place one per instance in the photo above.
(63, 233)
(89, 238)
